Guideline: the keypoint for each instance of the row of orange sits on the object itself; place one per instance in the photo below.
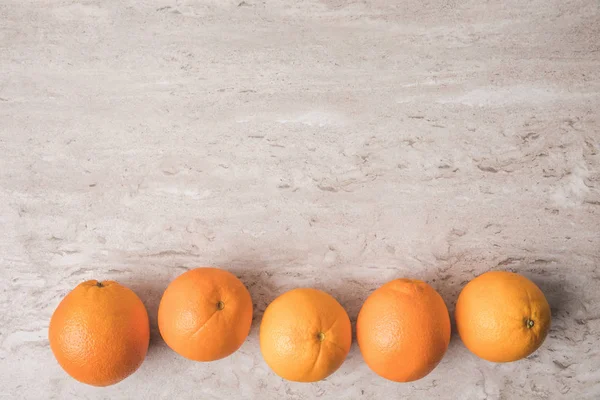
(99, 332)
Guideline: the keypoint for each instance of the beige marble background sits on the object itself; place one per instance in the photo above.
(332, 144)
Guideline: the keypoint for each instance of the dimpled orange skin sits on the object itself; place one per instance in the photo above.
(403, 330)
(99, 333)
(205, 314)
(305, 335)
(502, 316)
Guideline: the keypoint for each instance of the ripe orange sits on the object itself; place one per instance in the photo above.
(205, 314)
(99, 333)
(305, 335)
(502, 316)
(403, 330)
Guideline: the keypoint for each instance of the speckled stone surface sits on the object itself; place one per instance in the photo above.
(330, 144)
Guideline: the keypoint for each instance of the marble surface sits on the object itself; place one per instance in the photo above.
(332, 144)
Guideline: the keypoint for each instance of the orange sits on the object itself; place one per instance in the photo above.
(99, 333)
(502, 316)
(305, 335)
(205, 314)
(403, 330)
